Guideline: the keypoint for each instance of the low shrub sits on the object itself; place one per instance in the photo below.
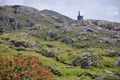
(23, 68)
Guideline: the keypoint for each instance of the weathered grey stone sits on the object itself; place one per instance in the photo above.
(101, 78)
(108, 40)
(80, 33)
(116, 75)
(90, 30)
(117, 64)
(51, 33)
(108, 72)
(87, 60)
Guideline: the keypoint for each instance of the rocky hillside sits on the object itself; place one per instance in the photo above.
(55, 15)
(17, 17)
(73, 50)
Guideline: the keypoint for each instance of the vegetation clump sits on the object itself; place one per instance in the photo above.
(87, 60)
(23, 68)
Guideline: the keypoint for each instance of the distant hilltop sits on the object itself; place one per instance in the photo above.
(54, 15)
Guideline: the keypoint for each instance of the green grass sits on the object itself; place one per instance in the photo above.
(99, 51)
(64, 52)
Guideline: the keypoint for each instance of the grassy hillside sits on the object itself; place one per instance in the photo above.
(58, 56)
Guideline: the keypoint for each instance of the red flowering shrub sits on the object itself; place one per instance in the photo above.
(23, 68)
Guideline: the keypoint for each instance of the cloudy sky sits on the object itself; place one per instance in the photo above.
(90, 9)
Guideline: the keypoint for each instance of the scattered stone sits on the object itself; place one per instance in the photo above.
(101, 78)
(67, 40)
(89, 30)
(48, 53)
(113, 54)
(108, 40)
(51, 34)
(108, 72)
(116, 75)
(117, 28)
(117, 64)
(85, 53)
(80, 33)
(11, 20)
(50, 45)
(65, 30)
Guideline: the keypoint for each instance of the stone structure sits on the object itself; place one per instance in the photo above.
(79, 17)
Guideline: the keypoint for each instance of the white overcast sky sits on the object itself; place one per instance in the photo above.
(90, 9)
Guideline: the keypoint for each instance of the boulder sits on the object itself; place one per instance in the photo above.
(108, 72)
(89, 30)
(116, 75)
(48, 53)
(113, 54)
(111, 75)
(2, 31)
(68, 40)
(80, 33)
(101, 78)
(117, 64)
(87, 74)
(65, 30)
(51, 34)
(108, 40)
(11, 20)
(118, 33)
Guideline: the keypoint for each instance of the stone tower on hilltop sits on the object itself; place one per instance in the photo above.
(79, 17)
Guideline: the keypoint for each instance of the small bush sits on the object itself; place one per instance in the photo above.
(23, 68)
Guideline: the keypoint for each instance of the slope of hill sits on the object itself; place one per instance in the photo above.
(17, 17)
(73, 50)
(55, 15)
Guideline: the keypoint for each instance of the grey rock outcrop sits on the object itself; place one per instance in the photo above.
(87, 60)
